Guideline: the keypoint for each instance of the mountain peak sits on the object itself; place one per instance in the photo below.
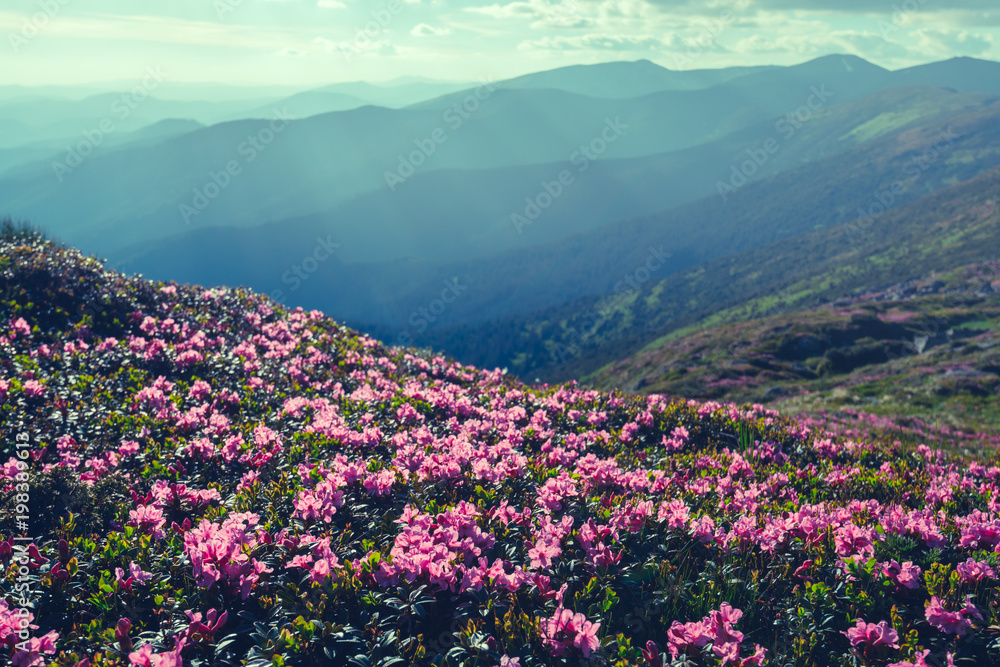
(846, 60)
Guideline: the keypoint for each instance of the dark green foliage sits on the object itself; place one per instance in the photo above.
(60, 496)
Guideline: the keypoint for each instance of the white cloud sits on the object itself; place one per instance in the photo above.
(424, 30)
(354, 49)
(539, 13)
(593, 43)
(804, 45)
(947, 43)
(160, 29)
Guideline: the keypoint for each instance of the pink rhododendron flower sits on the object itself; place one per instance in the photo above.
(973, 570)
(872, 634)
(321, 503)
(951, 622)
(38, 647)
(33, 388)
(717, 629)
(918, 660)
(218, 553)
(567, 629)
(906, 575)
(20, 327)
(145, 657)
(148, 519)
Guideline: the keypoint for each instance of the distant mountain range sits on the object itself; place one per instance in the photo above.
(547, 264)
(327, 160)
(590, 337)
(534, 202)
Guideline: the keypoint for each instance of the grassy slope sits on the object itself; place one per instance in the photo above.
(858, 354)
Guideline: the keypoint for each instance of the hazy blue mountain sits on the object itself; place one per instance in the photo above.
(12, 133)
(928, 239)
(517, 279)
(172, 90)
(491, 156)
(797, 241)
(445, 214)
(8, 93)
(38, 156)
(12, 159)
(126, 107)
(844, 75)
(326, 160)
(346, 96)
(305, 104)
(65, 122)
(849, 73)
(398, 93)
(961, 74)
(164, 129)
(621, 80)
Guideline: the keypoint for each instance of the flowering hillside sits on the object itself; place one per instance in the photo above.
(921, 357)
(200, 477)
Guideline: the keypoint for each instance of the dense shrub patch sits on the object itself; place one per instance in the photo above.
(215, 480)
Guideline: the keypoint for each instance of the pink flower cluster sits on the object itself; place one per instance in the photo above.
(591, 537)
(973, 571)
(872, 635)
(919, 660)
(431, 548)
(952, 622)
(566, 629)
(36, 649)
(218, 552)
(15, 631)
(321, 561)
(906, 575)
(717, 629)
(548, 541)
(322, 502)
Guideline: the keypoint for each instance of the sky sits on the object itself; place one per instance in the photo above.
(304, 43)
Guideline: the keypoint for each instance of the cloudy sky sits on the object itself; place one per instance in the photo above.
(307, 42)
